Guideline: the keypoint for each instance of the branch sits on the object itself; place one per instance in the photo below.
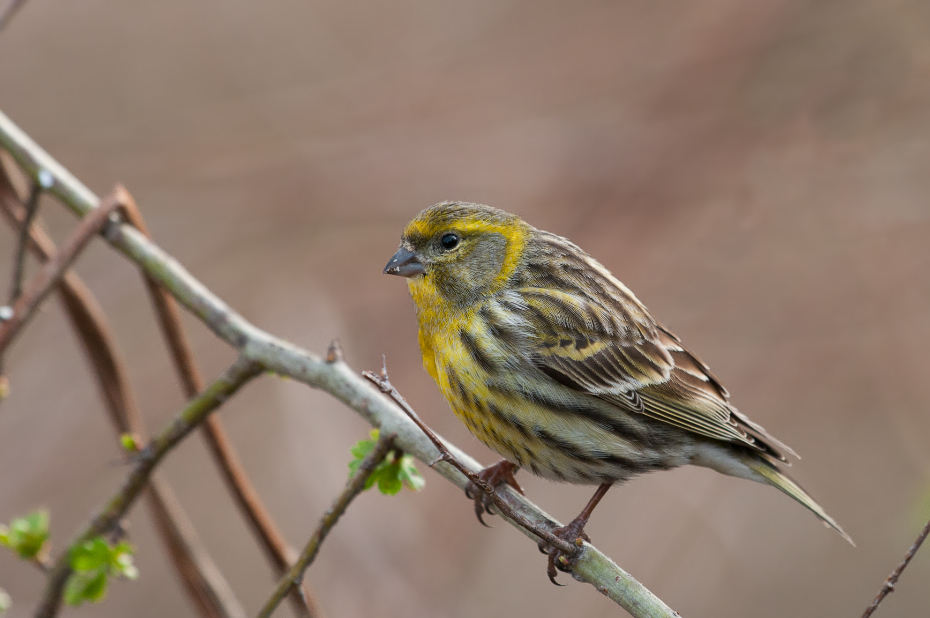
(19, 263)
(207, 589)
(52, 271)
(335, 377)
(888, 586)
(354, 487)
(170, 519)
(116, 507)
(277, 550)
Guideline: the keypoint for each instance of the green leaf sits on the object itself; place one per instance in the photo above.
(361, 450)
(124, 547)
(372, 479)
(93, 563)
(97, 587)
(122, 561)
(363, 447)
(409, 473)
(90, 556)
(388, 480)
(88, 586)
(26, 535)
(74, 589)
(391, 474)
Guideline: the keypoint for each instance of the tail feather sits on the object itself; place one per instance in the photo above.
(775, 477)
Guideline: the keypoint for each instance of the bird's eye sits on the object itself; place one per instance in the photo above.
(449, 241)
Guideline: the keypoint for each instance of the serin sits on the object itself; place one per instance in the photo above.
(552, 362)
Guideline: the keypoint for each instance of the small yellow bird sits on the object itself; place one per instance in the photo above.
(556, 365)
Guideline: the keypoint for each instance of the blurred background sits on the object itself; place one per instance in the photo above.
(757, 172)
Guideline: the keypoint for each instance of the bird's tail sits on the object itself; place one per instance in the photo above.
(775, 477)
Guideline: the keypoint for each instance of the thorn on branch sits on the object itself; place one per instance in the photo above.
(334, 352)
(442, 457)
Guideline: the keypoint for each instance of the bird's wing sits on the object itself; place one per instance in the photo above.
(613, 349)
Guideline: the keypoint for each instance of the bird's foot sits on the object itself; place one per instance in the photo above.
(493, 475)
(572, 533)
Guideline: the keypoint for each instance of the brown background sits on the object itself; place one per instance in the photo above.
(757, 172)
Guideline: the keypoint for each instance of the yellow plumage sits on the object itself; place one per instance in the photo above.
(556, 365)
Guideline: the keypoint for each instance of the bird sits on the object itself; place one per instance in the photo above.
(553, 363)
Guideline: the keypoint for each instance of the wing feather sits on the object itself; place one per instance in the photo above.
(599, 339)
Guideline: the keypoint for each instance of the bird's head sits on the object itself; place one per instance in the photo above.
(459, 251)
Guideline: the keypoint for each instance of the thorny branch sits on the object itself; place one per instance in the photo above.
(888, 586)
(281, 357)
(354, 487)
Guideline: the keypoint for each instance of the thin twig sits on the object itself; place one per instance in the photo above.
(48, 276)
(116, 507)
(206, 586)
(277, 550)
(384, 384)
(19, 259)
(354, 487)
(283, 358)
(888, 586)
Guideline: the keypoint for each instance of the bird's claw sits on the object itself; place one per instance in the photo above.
(493, 475)
(558, 560)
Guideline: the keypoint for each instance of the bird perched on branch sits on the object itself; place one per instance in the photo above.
(556, 365)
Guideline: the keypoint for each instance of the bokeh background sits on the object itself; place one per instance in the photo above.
(757, 172)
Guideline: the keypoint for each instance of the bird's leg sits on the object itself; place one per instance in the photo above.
(493, 475)
(573, 533)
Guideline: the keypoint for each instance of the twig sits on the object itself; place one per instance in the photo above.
(336, 378)
(104, 521)
(279, 553)
(49, 275)
(206, 586)
(385, 386)
(354, 487)
(19, 259)
(888, 586)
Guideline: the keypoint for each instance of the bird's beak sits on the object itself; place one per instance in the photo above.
(404, 264)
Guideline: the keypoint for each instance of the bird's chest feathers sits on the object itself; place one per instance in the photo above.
(452, 343)
(434, 320)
